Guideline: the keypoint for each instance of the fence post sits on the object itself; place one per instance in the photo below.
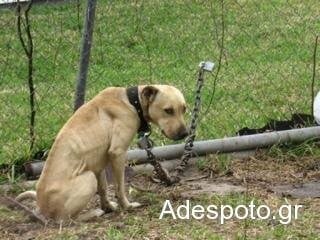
(26, 40)
(85, 53)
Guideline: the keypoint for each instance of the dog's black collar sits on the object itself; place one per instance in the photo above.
(133, 97)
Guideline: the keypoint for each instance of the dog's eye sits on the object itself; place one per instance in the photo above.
(169, 111)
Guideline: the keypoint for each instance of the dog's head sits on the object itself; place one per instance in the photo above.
(165, 106)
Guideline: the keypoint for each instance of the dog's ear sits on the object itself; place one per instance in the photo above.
(148, 94)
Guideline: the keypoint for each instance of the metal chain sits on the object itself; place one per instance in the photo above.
(188, 148)
(161, 173)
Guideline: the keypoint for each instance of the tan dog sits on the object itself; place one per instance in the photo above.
(98, 134)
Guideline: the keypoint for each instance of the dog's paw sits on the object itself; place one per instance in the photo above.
(98, 212)
(93, 213)
(110, 206)
(113, 205)
(134, 205)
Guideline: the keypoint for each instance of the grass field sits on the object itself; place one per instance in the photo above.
(265, 72)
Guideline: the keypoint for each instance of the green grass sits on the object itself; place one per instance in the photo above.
(265, 71)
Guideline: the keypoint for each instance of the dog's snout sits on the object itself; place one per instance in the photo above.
(183, 132)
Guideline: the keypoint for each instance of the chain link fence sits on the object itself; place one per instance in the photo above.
(263, 51)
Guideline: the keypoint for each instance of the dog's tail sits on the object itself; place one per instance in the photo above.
(26, 195)
(32, 213)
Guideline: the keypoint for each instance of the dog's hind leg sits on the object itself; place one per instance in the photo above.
(78, 194)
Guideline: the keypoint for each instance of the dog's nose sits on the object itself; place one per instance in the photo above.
(182, 134)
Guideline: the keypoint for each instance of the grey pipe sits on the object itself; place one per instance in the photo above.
(230, 144)
(224, 145)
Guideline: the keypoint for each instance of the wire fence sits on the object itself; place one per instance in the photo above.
(263, 51)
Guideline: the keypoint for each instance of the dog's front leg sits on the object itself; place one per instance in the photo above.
(106, 204)
(118, 162)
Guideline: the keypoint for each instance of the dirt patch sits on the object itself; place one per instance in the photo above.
(256, 176)
(210, 189)
(303, 190)
(266, 172)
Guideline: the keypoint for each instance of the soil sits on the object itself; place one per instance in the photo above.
(256, 176)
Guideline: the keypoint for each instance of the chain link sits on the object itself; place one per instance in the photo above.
(161, 173)
(188, 148)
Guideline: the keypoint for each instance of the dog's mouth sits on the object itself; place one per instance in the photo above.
(164, 133)
(175, 138)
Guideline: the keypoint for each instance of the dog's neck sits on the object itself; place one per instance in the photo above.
(134, 99)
